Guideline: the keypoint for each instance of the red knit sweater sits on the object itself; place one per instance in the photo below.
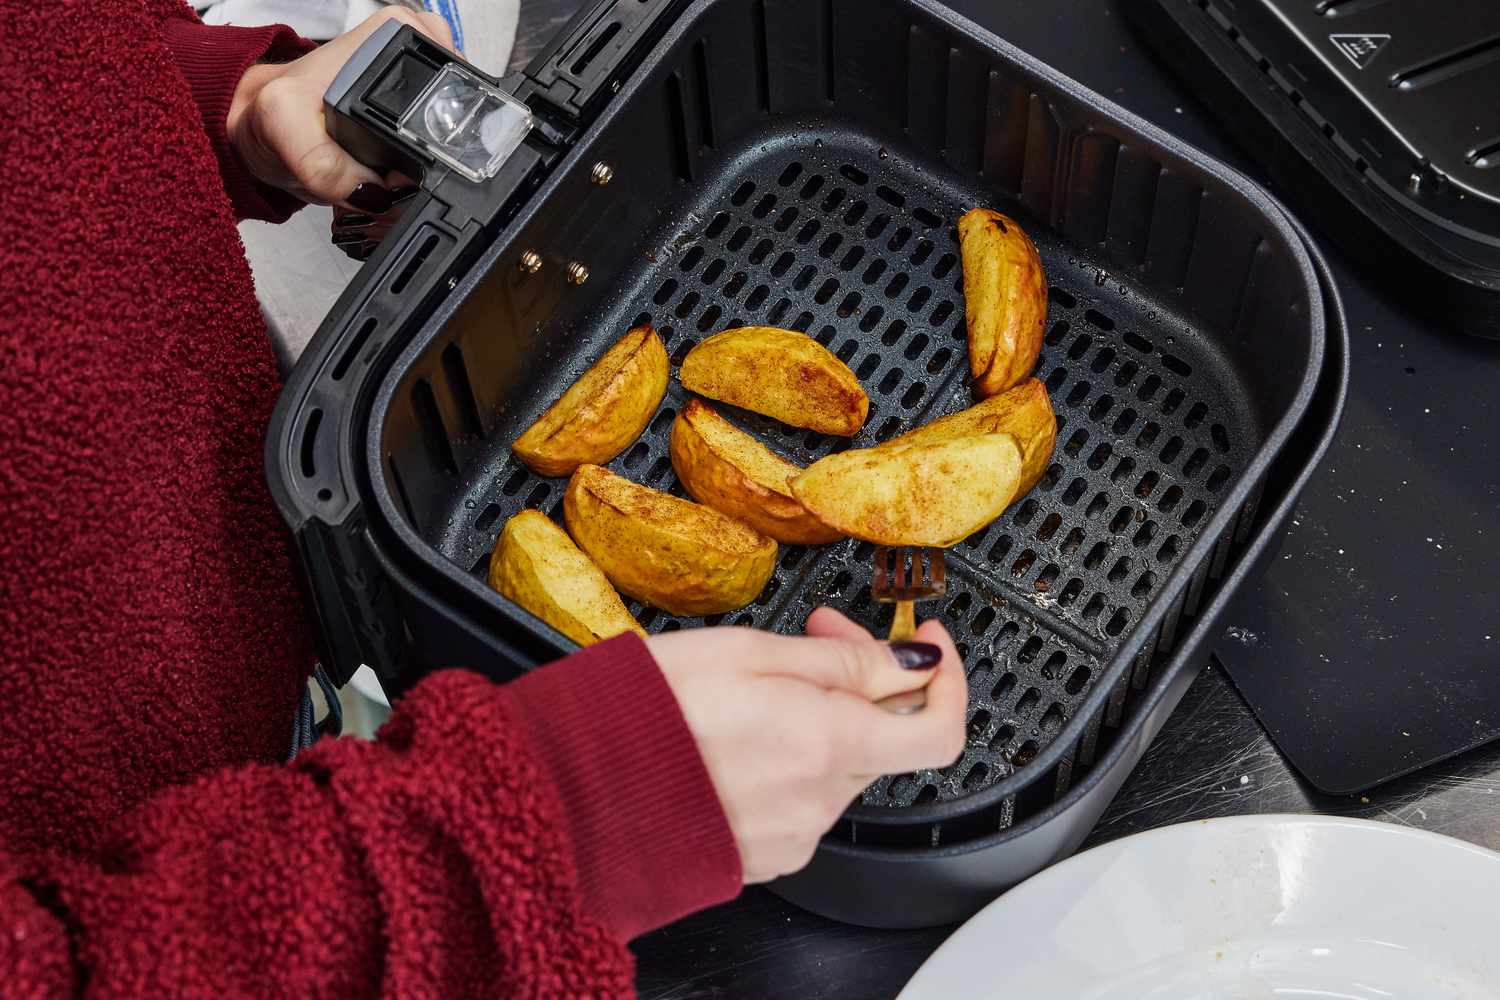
(493, 841)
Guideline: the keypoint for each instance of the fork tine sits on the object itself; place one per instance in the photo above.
(907, 573)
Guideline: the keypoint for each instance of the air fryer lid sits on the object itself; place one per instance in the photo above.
(1378, 118)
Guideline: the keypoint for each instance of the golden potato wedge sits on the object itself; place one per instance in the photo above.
(781, 373)
(674, 554)
(1023, 411)
(1005, 296)
(935, 493)
(537, 565)
(603, 412)
(735, 474)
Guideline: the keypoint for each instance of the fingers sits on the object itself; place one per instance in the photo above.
(359, 234)
(435, 26)
(860, 666)
(878, 742)
(289, 126)
(826, 623)
(868, 740)
(275, 120)
(948, 691)
(288, 116)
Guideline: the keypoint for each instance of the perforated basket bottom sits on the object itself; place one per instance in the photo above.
(860, 250)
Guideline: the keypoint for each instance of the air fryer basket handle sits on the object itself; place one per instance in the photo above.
(314, 457)
(404, 103)
(310, 445)
(372, 138)
(313, 439)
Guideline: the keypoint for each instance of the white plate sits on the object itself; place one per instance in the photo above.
(1285, 907)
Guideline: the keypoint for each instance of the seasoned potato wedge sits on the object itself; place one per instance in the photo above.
(1023, 411)
(537, 565)
(603, 412)
(735, 474)
(935, 493)
(1006, 298)
(781, 373)
(674, 554)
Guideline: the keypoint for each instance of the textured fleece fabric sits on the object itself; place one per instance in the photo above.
(491, 842)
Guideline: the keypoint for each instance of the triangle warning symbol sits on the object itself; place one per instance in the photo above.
(1361, 49)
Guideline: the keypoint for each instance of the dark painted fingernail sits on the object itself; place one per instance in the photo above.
(370, 197)
(349, 220)
(403, 194)
(916, 655)
(349, 239)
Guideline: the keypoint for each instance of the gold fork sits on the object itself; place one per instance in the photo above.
(903, 576)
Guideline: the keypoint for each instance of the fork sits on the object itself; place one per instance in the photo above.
(903, 576)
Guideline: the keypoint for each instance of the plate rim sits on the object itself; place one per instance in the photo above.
(1041, 881)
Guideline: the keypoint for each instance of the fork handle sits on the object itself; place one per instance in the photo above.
(904, 625)
(903, 628)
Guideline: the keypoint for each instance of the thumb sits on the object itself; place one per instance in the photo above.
(328, 174)
(290, 126)
(860, 666)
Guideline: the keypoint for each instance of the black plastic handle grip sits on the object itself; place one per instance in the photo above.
(310, 455)
(365, 101)
(312, 443)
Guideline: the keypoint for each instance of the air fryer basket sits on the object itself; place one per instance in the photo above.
(802, 164)
(855, 244)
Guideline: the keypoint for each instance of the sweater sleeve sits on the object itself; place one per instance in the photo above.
(213, 59)
(496, 841)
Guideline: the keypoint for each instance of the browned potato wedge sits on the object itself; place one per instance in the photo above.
(932, 494)
(603, 412)
(1006, 299)
(537, 565)
(735, 474)
(674, 554)
(781, 373)
(1024, 412)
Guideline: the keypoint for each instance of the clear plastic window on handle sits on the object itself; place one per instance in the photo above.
(466, 123)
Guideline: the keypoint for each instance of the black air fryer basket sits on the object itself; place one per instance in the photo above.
(802, 163)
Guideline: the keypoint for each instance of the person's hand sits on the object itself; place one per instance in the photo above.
(275, 122)
(789, 730)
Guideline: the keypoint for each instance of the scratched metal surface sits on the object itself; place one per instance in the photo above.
(1212, 759)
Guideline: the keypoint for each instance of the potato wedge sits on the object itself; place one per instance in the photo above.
(1005, 295)
(735, 474)
(537, 565)
(933, 494)
(603, 412)
(674, 554)
(1023, 411)
(781, 373)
